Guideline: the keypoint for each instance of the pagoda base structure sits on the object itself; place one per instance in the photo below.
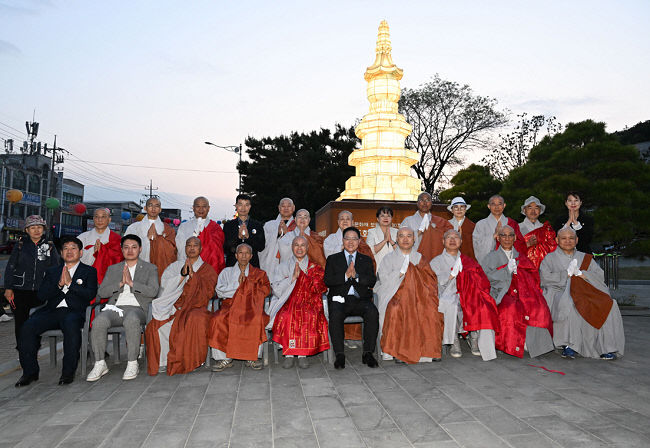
(365, 214)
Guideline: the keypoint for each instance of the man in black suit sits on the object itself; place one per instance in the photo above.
(243, 230)
(66, 290)
(350, 276)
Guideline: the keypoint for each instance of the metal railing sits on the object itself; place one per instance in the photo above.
(608, 262)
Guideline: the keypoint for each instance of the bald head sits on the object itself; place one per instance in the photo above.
(405, 239)
(299, 247)
(201, 207)
(286, 208)
(345, 219)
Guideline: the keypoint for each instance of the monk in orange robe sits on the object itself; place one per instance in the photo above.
(237, 329)
(177, 336)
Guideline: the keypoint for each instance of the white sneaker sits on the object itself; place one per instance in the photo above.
(473, 343)
(132, 370)
(5, 318)
(455, 351)
(99, 370)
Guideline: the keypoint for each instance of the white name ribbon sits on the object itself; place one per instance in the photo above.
(338, 299)
(424, 224)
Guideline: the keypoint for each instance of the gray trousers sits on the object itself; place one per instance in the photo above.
(132, 321)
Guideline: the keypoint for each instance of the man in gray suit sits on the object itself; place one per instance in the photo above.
(130, 286)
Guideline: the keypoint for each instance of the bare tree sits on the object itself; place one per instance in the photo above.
(513, 149)
(448, 120)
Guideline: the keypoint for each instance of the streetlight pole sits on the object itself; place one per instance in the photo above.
(236, 150)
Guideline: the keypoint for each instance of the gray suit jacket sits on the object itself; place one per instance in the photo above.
(145, 283)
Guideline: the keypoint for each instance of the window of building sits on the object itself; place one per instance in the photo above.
(71, 220)
(69, 199)
(19, 180)
(31, 210)
(34, 184)
(18, 211)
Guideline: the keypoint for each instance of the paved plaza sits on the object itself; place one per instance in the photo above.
(458, 402)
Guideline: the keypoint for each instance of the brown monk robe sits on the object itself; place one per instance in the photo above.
(431, 239)
(407, 290)
(163, 249)
(237, 328)
(177, 336)
(466, 246)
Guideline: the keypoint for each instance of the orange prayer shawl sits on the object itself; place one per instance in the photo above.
(315, 250)
(591, 303)
(163, 249)
(188, 339)
(413, 326)
(431, 242)
(237, 328)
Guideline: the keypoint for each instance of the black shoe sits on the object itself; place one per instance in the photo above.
(369, 360)
(26, 380)
(340, 361)
(66, 379)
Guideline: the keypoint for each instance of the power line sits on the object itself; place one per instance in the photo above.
(119, 179)
(157, 167)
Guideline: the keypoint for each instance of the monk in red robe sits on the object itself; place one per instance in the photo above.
(299, 323)
(177, 336)
(540, 238)
(237, 329)
(101, 246)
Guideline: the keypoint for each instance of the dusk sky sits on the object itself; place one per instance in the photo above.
(147, 82)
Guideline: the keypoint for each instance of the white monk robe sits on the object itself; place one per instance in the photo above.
(333, 243)
(483, 236)
(171, 288)
(449, 305)
(90, 238)
(527, 226)
(226, 288)
(375, 236)
(569, 327)
(282, 284)
(141, 229)
(538, 340)
(285, 242)
(269, 256)
(390, 274)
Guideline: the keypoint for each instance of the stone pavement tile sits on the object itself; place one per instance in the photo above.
(313, 387)
(220, 383)
(420, 427)
(630, 419)
(466, 396)
(45, 436)
(380, 381)
(188, 395)
(301, 441)
(474, 434)
(218, 404)
(535, 440)
(89, 441)
(199, 377)
(337, 433)
(130, 433)
(166, 436)
(385, 439)
(316, 369)
(500, 421)
(249, 413)
(121, 399)
(23, 425)
(398, 402)
(437, 444)
(369, 417)
(573, 413)
(258, 436)
(73, 413)
(355, 394)
(522, 407)
(417, 388)
(618, 435)
(291, 422)
(147, 408)
(564, 433)
(402, 372)
(293, 393)
(344, 377)
(325, 407)
(258, 391)
(443, 409)
(179, 415)
(99, 391)
(209, 431)
(98, 424)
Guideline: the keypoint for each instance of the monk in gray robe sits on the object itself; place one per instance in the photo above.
(406, 287)
(485, 235)
(464, 299)
(586, 320)
(274, 231)
(524, 318)
(421, 222)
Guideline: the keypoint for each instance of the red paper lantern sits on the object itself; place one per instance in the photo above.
(167, 220)
(79, 209)
(177, 222)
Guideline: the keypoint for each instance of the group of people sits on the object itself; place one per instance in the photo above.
(421, 288)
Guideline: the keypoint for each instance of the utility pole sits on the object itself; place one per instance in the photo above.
(51, 189)
(150, 188)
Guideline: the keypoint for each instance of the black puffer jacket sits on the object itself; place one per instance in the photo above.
(28, 262)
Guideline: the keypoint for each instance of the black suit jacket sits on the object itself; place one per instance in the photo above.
(255, 239)
(335, 274)
(82, 290)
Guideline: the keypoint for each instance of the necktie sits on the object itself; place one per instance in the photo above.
(349, 259)
(354, 290)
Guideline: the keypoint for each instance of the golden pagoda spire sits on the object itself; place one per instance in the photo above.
(383, 164)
